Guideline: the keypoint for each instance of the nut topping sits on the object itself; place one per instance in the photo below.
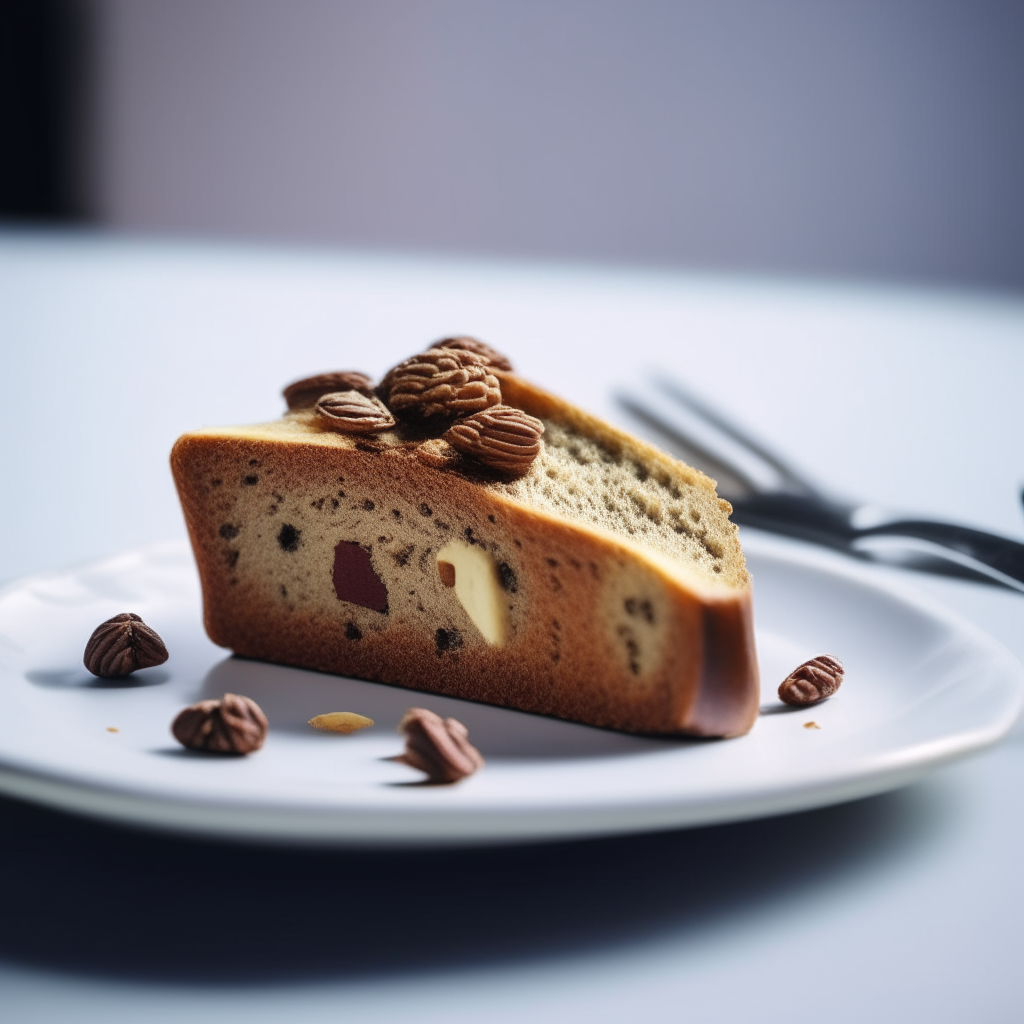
(467, 344)
(122, 645)
(813, 681)
(503, 438)
(231, 725)
(438, 746)
(302, 394)
(354, 413)
(440, 382)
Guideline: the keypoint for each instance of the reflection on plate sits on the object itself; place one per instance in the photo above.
(922, 687)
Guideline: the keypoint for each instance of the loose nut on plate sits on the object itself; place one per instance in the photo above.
(340, 721)
(440, 382)
(303, 394)
(121, 645)
(438, 746)
(467, 344)
(503, 438)
(354, 413)
(231, 725)
(813, 681)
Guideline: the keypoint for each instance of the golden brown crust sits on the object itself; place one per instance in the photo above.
(601, 630)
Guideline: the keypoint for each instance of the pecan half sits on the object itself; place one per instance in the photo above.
(503, 438)
(438, 746)
(813, 681)
(231, 725)
(121, 645)
(441, 382)
(467, 344)
(354, 413)
(302, 394)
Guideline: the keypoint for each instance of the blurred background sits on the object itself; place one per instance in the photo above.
(879, 141)
(882, 140)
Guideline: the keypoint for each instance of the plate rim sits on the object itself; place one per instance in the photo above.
(277, 823)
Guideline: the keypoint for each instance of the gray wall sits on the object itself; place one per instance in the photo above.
(877, 138)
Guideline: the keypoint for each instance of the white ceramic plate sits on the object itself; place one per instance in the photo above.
(922, 687)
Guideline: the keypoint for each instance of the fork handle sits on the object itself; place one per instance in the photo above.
(830, 523)
(1002, 554)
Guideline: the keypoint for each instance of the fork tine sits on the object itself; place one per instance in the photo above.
(732, 481)
(794, 480)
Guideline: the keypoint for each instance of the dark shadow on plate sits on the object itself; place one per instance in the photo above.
(186, 754)
(81, 896)
(80, 679)
(785, 709)
(291, 696)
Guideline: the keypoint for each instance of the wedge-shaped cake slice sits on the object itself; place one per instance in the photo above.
(597, 580)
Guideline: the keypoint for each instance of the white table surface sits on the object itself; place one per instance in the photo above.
(904, 907)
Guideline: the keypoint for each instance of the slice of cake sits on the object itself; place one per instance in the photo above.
(459, 531)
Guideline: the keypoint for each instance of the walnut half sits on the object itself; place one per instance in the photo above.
(231, 725)
(122, 645)
(438, 746)
(481, 348)
(440, 382)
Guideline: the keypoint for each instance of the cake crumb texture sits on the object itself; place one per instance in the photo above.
(577, 477)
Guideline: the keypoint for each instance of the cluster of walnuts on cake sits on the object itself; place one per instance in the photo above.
(448, 393)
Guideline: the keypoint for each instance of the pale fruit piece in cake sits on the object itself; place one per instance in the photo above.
(477, 585)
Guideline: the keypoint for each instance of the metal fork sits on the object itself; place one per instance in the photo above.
(769, 494)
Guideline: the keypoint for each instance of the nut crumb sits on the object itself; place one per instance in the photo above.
(340, 721)
(437, 453)
(112, 728)
(811, 725)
